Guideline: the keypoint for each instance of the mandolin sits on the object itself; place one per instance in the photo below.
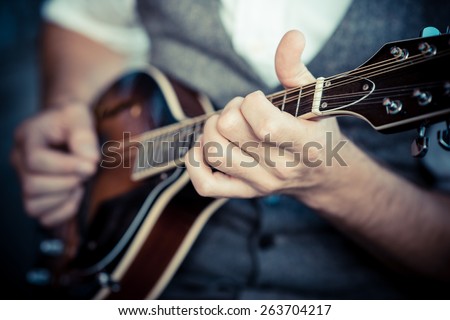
(141, 214)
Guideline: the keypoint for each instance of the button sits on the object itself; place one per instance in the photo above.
(39, 277)
(266, 241)
(272, 200)
(52, 247)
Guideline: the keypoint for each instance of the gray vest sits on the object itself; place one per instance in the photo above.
(275, 247)
(190, 43)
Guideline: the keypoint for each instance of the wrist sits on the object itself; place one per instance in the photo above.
(340, 181)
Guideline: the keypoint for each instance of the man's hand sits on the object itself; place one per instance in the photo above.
(54, 153)
(255, 148)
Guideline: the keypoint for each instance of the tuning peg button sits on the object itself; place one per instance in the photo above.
(427, 49)
(392, 106)
(106, 281)
(429, 32)
(423, 97)
(419, 146)
(443, 137)
(52, 247)
(39, 277)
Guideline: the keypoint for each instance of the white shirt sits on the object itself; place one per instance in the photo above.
(255, 26)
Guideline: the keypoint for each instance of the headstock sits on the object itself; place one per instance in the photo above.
(406, 84)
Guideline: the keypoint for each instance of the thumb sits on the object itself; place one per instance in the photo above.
(288, 65)
(82, 138)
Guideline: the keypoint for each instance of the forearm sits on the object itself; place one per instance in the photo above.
(75, 67)
(396, 220)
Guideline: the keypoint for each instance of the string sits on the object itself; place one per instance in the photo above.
(384, 91)
(346, 81)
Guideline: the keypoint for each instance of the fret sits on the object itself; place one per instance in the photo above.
(298, 101)
(157, 152)
(185, 139)
(318, 91)
(284, 101)
(141, 158)
(277, 100)
(290, 102)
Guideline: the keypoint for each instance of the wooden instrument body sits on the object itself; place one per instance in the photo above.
(131, 236)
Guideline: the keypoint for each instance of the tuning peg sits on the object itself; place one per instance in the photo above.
(52, 247)
(38, 277)
(419, 146)
(106, 281)
(444, 137)
(429, 32)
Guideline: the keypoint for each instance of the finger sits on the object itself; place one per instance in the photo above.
(291, 71)
(209, 183)
(220, 153)
(55, 162)
(82, 138)
(250, 168)
(39, 205)
(43, 130)
(70, 126)
(64, 212)
(37, 184)
(270, 125)
(232, 125)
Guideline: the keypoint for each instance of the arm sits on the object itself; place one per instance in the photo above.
(400, 223)
(406, 226)
(74, 69)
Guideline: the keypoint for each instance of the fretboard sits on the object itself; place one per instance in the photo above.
(163, 149)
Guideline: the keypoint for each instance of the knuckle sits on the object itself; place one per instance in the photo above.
(282, 173)
(210, 124)
(253, 98)
(215, 162)
(203, 188)
(267, 187)
(236, 101)
(312, 152)
(82, 121)
(228, 121)
(213, 155)
(266, 129)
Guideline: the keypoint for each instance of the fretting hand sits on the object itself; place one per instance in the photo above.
(253, 149)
